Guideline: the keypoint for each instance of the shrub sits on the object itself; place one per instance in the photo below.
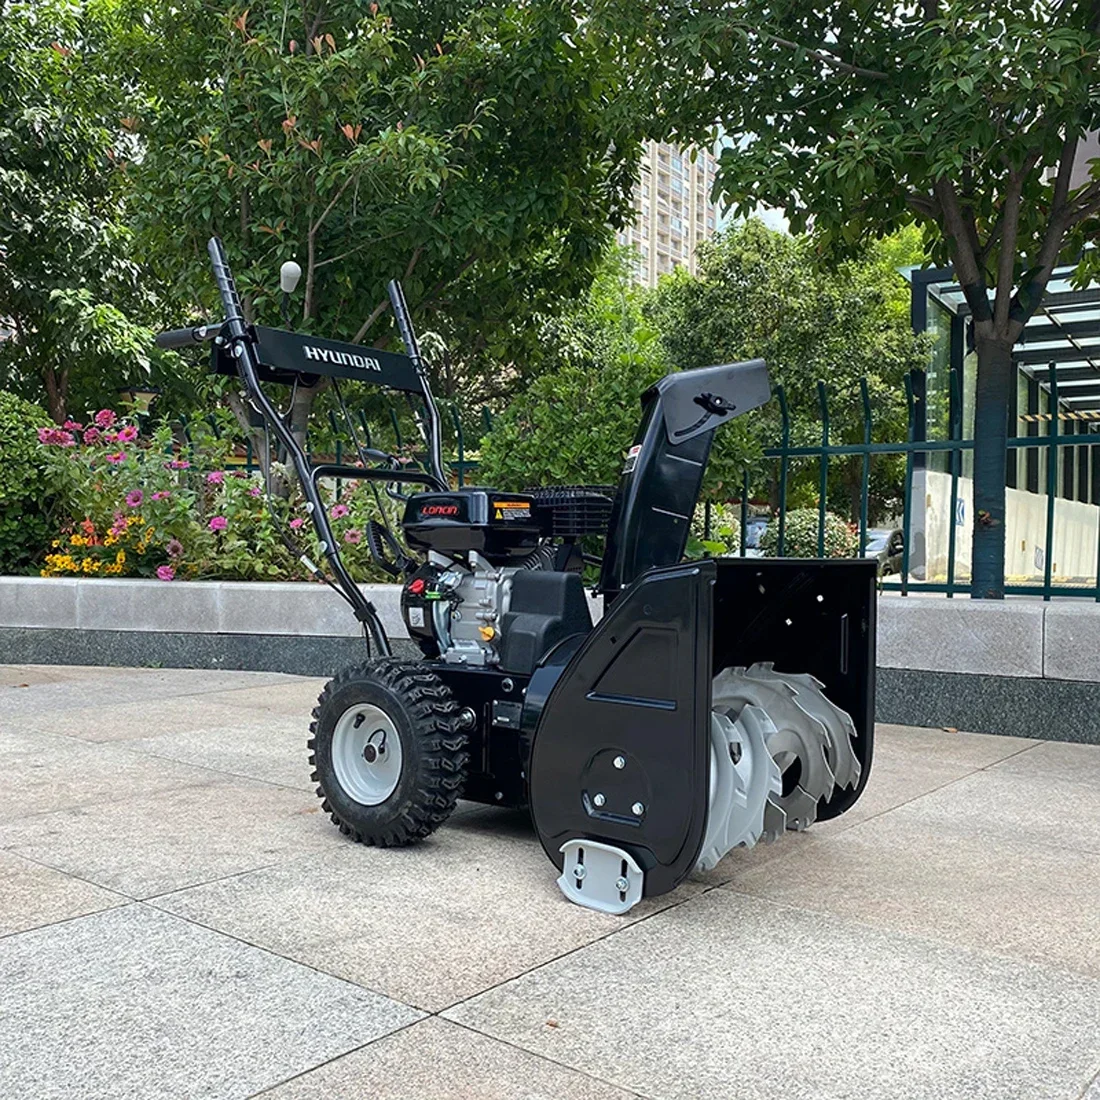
(800, 536)
(143, 507)
(724, 535)
(25, 490)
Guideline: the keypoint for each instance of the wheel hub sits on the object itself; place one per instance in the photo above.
(366, 754)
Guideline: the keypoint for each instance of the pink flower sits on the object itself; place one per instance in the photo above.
(174, 548)
(105, 418)
(296, 523)
(219, 523)
(91, 435)
(72, 424)
(127, 435)
(255, 491)
(165, 573)
(215, 477)
(56, 437)
(353, 536)
(117, 458)
(134, 498)
(110, 437)
(162, 495)
(339, 511)
(178, 464)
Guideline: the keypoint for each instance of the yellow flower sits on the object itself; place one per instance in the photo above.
(120, 557)
(76, 540)
(56, 543)
(90, 565)
(110, 540)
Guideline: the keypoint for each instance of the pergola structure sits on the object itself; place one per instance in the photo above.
(1065, 332)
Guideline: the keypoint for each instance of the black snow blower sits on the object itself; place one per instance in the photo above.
(715, 703)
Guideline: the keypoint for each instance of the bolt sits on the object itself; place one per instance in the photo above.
(620, 762)
(599, 800)
(370, 754)
(579, 871)
(467, 719)
(499, 796)
(506, 684)
(637, 809)
(622, 885)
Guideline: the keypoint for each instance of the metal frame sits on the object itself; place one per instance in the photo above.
(237, 340)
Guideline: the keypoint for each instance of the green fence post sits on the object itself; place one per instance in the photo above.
(366, 428)
(823, 465)
(784, 469)
(907, 507)
(955, 431)
(460, 443)
(744, 510)
(1052, 480)
(865, 473)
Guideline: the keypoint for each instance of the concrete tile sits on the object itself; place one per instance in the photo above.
(1019, 809)
(1093, 1091)
(150, 718)
(135, 1003)
(108, 604)
(984, 636)
(473, 905)
(970, 750)
(31, 895)
(901, 873)
(292, 699)
(729, 996)
(177, 838)
(1057, 760)
(111, 687)
(41, 773)
(442, 1061)
(38, 601)
(1071, 646)
(272, 749)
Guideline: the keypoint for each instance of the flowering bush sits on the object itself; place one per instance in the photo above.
(145, 508)
(800, 536)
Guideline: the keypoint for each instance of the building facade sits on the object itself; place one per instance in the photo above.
(673, 210)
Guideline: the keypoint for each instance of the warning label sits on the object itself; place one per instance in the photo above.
(631, 458)
(511, 509)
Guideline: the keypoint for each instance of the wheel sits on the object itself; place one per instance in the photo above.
(388, 754)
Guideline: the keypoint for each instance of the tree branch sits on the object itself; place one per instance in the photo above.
(970, 274)
(1026, 300)
(823, 56)
(374, 315)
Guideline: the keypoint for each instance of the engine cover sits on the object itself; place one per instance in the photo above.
(498, 526)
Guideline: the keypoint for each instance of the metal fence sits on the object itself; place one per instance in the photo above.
(464, 429)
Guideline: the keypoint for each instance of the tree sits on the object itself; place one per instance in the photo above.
(760, 293)
(479, 153)
(573, 423)
(70, 292)
(855, 119)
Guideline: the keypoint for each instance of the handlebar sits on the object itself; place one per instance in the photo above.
(187, 337)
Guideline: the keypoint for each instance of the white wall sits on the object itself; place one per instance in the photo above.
(1075, 532)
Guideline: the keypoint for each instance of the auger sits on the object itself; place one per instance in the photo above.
(714, 704)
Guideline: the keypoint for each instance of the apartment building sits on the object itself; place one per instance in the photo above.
(673, 210)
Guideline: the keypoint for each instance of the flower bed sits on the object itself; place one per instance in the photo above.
(151, 506)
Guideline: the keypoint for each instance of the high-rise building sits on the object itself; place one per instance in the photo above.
(673, 210)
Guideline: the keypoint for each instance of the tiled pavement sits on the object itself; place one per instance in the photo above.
(177, 919)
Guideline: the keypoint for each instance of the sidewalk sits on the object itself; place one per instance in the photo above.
(179, 919)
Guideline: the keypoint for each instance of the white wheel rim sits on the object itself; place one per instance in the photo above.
(366, 754)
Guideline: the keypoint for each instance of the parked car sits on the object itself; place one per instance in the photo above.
(886, 544)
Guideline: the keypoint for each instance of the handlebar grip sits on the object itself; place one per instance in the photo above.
(186, 337)
(227, 288)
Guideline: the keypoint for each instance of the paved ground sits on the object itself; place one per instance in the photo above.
(177, 919)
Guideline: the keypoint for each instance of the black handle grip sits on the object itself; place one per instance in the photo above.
(186, 337)
(227, 288)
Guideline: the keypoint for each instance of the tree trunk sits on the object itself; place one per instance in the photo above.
(994, 387)
(56, 385)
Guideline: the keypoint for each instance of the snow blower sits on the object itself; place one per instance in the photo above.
(716, 703)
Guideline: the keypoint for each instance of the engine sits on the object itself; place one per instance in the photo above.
(458, 605)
